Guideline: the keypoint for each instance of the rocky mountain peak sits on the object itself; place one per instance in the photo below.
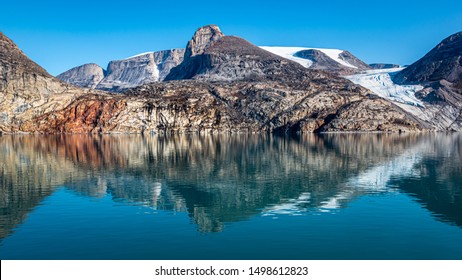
(202, 39)
(231, 58)
(443, 62)
(12, 57)
(87, 75)
(451, 41)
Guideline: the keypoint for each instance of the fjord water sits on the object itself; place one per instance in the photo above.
(333, 196)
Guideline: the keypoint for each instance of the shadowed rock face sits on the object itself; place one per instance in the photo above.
(323, 62)
(440, 73)
(202, 39)
(231, 58)
(444, 62)
(353, 60)
(166, 60)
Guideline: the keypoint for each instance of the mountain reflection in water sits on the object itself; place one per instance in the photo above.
(222, 179)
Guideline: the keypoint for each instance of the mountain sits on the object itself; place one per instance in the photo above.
(87, 75)
(383, 65)
(439, 74)
(430, 89)
(275, 93)
(155, 66)
(26, 89)
(230, 58)
(224, 84)
(126, 73)
(444, 62)
(336, 61)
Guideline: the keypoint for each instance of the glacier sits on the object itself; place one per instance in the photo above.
(380, 82)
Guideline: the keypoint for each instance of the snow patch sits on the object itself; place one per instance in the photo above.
(288, 52)
(335, 55)
(140, 54)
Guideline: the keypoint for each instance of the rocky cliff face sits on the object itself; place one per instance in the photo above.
(131, 72)
(26, 89)
(87, 75)
(127, 73)
(166, 60)
(202, 39)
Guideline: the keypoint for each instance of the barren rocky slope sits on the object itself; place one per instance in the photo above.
(27, 90)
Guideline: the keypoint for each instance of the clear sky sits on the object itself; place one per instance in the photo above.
(62, 34)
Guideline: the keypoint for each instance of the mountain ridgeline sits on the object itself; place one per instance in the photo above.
(444, 62)
(321, 61)
(126, 73)
(217, 84)
(230, 58)
(439, 72)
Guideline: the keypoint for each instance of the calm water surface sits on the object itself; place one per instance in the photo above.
(340, 196)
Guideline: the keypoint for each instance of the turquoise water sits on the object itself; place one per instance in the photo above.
(334, 196)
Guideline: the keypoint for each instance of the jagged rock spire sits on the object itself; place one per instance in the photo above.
(203, 38)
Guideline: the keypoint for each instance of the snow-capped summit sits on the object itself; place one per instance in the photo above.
(340, 62)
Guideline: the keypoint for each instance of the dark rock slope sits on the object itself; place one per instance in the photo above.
(444, 62)
(230, 58)
(323, 62)
(440, 73)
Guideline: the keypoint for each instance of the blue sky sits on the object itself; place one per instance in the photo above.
(60, 34)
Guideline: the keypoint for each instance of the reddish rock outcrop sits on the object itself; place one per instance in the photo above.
(92, 114)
